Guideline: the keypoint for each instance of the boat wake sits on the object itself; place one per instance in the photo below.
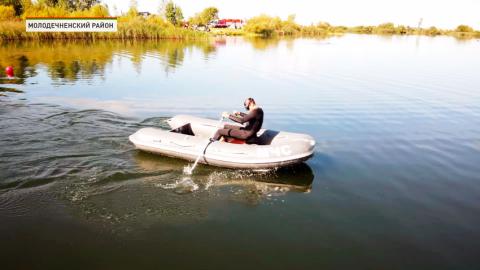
(60, 157)
(183, 186)
(265, 183)
(188, 169)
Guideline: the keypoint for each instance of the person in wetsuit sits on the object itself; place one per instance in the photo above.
(254, 120)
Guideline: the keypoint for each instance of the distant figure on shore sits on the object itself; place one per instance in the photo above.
(254, 120)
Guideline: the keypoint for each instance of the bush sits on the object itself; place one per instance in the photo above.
(464, 28)
(401, 29)
(385, 28)
(432, 31)
(321, 29)
(263, 25)
(362, 29)
(6, 13)
(158, 20)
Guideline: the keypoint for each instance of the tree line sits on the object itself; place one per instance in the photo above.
(170, 21)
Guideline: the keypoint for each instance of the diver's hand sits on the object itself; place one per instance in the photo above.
(225, 115)
(236, 112)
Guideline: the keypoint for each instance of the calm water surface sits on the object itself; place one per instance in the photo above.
(394, 183)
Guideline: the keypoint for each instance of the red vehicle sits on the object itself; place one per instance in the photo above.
(224, 23)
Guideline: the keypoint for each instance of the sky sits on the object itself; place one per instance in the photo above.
(440, 13)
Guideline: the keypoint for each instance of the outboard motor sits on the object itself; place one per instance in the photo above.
(185, 129)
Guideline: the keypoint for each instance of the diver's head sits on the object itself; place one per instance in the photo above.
(249, 103)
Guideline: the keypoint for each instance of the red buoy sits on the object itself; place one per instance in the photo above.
(9, 71)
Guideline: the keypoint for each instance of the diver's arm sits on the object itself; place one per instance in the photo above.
(239, 113)
(242, 118)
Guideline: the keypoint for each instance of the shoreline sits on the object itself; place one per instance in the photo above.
(146, 30)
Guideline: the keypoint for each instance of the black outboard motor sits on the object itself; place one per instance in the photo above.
(185, 129)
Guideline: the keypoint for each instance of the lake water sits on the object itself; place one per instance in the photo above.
(394, 183)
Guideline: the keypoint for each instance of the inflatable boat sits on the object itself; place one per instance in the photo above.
(189, 137)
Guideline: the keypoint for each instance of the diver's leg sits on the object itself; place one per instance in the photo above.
(240, 134)
(221, 132)
(227, 126)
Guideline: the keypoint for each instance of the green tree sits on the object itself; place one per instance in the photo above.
(464, 28)
(209, 14)
(170, 12)
(204, 17)
(178, 14)
(173, 13)
(82, 4)
(16, 4)
(71, 5)
(6, 13)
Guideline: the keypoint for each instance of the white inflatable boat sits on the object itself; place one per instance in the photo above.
(189, 136)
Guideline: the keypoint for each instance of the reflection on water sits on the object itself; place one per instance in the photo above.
(158, 190)
(265, 43)
(69, 61)
(298, 178)
(23, 68)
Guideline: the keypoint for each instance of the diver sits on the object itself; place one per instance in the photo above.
(254, 120)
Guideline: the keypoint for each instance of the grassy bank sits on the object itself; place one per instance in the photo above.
(267, 26)
(154, 27)
(130, 25)
(227, 32)
(462, 31)
(128, 28)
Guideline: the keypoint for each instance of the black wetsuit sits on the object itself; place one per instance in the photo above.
(254, 121)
